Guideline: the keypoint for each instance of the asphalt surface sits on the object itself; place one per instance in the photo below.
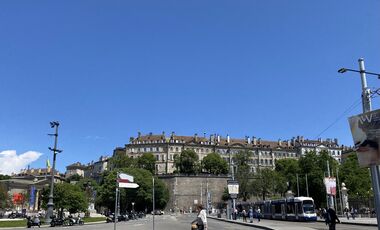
(168, 222)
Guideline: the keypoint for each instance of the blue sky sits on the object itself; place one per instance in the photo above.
(108, 69)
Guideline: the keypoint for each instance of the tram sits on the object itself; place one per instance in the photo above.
(292, 209)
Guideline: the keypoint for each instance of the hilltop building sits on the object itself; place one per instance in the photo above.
(264, 153)
(95, 169)
(75, 169)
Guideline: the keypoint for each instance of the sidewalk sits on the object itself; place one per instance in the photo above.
(263, 224)
(365, 221)
(278, 225)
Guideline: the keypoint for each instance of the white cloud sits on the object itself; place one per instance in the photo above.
(10, 162)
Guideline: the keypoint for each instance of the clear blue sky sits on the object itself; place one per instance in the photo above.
(108, 69)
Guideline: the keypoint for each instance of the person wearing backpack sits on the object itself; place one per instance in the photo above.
(331, 218)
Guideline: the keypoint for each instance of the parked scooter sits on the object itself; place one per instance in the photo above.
(33, 222)
(56, 221)
(74, 221)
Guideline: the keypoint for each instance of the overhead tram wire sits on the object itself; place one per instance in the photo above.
(349, 109)
(375, 93)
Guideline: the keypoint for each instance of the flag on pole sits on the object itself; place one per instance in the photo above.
(125, 178)
(126, 181)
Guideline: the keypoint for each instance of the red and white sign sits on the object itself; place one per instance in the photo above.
(330, 183)
(126, 181)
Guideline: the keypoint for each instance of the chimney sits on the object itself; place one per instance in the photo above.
(228, 138)
(173, 133)
(302, 139)
(138, 134)
(195, 137)
(254, 140)
(293, 141)
(218, 139)
(288, 143)
(259, 141)
(248, 140)
(336, 141)
(211, 138)
(279, 142)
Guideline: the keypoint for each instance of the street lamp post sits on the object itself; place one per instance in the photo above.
(366, 101)
(50, 204)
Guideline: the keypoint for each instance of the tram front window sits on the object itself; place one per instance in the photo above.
(308, 206)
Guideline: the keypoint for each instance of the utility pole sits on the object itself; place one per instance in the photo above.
(50, 204)
(366, 100)
(154, 206)
(298, 186)
(307, 187)
(330, 201)
(115, 215)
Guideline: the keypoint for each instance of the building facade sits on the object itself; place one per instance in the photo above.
(75, 169)
(95, 169)
(264, 153)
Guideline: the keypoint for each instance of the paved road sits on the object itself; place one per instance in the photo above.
(167, 222)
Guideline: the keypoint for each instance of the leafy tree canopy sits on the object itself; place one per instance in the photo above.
(147, 161)
(142, 196)
(66, 196)
(213, 163)
(356, 178)
(119, 161)
(187, 162)
(243, 173)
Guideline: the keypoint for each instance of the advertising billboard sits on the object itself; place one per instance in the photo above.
(365, 130)
(330, 183)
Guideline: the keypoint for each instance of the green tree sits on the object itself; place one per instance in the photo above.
(315, 166)
(186, 162)
(147, 161)
(213, 163)
(356, 178)
(142, 196)
(75, 177)
(66, 196)
(4, 177)
(4, 197)
(243, 174)
(268, 182)
(225, 195)
(288, 168)
(122, 161)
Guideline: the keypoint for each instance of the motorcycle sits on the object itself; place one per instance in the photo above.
(56, 221)
(74, 221)
(33, 222)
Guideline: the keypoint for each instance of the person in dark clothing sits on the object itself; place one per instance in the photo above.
(331, 218)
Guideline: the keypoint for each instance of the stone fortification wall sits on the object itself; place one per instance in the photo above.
(186, 191)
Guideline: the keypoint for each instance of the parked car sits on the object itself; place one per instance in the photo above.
(157, 212)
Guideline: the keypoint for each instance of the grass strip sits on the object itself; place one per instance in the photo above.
(93, 219)
(11, 224)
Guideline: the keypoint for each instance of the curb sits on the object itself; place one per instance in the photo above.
(242, 223)
(352, 223)
(48, 226)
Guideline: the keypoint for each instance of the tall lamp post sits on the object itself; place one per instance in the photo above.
(366, 101)
(50, 204)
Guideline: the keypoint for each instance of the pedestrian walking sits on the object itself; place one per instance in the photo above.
(250, 213)
(201, 221)
(353, 213)
(331, 218)
(346, 212)
(258, 214)
(244, 213)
